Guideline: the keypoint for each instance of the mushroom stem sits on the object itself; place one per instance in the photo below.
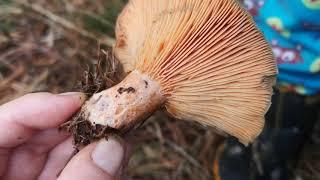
(126, 104)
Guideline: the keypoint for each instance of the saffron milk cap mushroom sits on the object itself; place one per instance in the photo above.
(204, 61)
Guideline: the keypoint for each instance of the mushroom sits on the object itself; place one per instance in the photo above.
(204, 61)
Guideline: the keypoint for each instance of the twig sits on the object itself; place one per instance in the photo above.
(32, 87)
(10, 52)
(182, 152)
(65, 23)
(186, 155)
(4, 83)
(9, 10)
(43, 76)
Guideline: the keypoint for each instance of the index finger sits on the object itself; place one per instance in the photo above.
(21, 118)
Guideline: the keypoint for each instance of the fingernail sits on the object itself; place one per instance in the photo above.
(108, 155)
(81, 96)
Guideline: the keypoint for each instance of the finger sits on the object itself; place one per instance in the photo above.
(41, 143)
(99, 161)
(4, 156)
(24, 165)
(27, 160)
(47, 139)
(21, 118)
(57, 160)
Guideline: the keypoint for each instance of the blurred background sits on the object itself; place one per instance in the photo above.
(47, 45)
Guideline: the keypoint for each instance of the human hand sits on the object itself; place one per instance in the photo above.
(32, 148)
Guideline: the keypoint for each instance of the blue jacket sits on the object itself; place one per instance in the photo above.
(292, 27)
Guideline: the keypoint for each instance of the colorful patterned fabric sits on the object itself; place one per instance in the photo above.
(292, 27)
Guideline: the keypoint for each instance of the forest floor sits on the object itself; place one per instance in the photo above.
(48, 45)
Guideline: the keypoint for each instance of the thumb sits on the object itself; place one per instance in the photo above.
(98, 161)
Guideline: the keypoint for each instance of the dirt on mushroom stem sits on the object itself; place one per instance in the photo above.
(106, 73)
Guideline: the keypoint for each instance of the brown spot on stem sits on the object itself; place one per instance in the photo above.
(127, 90)
(146, 84)
(121, 43)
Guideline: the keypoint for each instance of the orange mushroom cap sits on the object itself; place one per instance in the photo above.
(211, 61)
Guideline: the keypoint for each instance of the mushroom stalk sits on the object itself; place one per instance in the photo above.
(126, 104)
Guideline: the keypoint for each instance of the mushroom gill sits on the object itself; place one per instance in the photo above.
(204, 61)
